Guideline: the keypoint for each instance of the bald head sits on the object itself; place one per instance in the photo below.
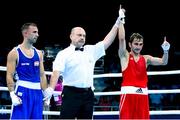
(76, 29)
(78, 36)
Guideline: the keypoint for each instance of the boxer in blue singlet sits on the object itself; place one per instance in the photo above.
(25, 64)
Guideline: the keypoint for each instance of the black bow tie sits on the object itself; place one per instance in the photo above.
(81, 49)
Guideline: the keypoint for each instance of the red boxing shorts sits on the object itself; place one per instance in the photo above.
(134, 103)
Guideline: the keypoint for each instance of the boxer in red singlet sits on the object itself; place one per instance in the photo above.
(134, 103)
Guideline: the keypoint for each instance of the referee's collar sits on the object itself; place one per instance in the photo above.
(73, 47)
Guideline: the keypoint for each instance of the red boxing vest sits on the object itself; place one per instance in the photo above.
(135, 74)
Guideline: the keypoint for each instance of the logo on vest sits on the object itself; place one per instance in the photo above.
(23, 64)
(36, 63)
(139, 90)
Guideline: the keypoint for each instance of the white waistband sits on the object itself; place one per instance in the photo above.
(134, 90)
(27, 84)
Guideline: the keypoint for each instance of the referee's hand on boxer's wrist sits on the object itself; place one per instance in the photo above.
(48, 92)
(121, 17)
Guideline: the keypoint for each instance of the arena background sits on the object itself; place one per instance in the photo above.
(154, 19)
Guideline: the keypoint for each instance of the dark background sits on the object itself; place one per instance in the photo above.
(154, 19)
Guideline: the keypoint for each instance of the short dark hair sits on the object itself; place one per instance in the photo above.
(26, 26)
(135, 35)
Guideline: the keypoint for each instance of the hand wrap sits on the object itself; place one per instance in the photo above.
(15, 99)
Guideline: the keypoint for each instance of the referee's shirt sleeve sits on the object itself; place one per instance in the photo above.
(59, 62)
(99, 50)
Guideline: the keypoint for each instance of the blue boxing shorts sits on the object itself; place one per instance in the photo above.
(32, 101)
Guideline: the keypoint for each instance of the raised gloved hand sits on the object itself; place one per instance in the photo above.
(48, 92)
(121, 18)
(15, 99)
(122, 15)
(165, 46)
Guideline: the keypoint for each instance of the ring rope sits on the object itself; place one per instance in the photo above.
(157, 112)
(170, 72)
(115, 92)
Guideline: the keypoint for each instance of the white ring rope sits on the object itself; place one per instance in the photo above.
(115, 92)
(165, 112)
(2, 68)
(157, 112)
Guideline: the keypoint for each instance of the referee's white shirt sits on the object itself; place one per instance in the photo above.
(77, 67)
